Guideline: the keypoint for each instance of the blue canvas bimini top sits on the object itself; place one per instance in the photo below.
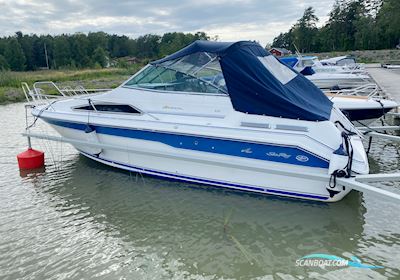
(258, 83)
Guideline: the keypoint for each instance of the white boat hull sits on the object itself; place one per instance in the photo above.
(158, 159)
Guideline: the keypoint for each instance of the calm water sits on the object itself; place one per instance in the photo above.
(81, 220)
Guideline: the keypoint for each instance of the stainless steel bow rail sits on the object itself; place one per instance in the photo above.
(356, 183)
(38, 95)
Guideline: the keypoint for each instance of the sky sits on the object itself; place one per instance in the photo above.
(230, 20)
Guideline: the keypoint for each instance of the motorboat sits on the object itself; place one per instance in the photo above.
(224, 114)
(344, 60)
(362, 110)
(362, 105)
(299, 63)
(326, 79)
(391, 64)
(339, 80)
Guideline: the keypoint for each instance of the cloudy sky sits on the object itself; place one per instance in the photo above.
(259, 20)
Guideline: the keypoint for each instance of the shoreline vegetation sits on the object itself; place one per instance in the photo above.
(92, 60)
(10, 81)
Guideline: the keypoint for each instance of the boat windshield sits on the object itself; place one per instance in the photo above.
(304, 62)
(195, 73)
(348, 61)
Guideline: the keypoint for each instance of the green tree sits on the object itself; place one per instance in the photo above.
(372, 7)
(305, 30)
(27, 52)
(3, 63)
(352, 24)
(171, 42)
(284, 40)
(62, 52)
(148, 46)
(97, 39)
(365, 37)
(120, 46)
(79, 49)
(15, 55)
(100, 56)
(388, 21)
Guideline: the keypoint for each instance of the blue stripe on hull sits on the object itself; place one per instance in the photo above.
(183, 178)
(282, 154)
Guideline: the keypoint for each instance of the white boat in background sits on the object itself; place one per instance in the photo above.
(327, 77)
(362, 110)
(345, 60)
(393, 64)
(223, 114)
(339, 81)
(362, 105)
(299, 63)
(353, 94)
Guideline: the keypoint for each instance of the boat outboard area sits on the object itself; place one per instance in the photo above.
(227, 114)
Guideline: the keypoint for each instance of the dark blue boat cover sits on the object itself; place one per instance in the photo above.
(258, 83)
(289, 60)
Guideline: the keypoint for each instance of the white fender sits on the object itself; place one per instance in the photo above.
(91, 136)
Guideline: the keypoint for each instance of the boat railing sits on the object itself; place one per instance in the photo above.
(369, 90)
(47, 91)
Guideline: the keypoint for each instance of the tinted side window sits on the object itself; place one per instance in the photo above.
(115, 108)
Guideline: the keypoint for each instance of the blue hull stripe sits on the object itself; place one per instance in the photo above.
(206, 181)
(282, 154)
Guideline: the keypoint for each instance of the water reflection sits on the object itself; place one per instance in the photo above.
(185, 223)
(24, 173)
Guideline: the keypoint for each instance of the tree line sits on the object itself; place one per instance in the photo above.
(352, 25)
(23, 52)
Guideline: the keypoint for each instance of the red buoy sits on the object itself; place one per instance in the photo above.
(30, 159)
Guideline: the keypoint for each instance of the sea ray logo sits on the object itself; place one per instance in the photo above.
(274, 154)
(171, 107)
(324, 260)
(302, 158)
(247, 151)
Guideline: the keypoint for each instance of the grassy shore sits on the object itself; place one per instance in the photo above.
(10, 82)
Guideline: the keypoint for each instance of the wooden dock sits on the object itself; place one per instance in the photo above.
(387, 79)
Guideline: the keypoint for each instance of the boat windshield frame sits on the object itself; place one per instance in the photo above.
(220, 90)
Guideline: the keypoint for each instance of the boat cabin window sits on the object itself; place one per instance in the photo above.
(113, 108)
(194, 73)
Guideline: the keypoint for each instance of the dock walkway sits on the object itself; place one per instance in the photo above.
(387, 79)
